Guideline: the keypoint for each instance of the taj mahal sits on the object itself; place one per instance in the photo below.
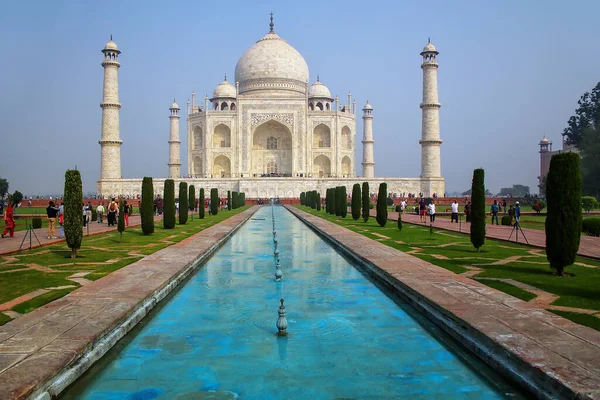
(269, 132)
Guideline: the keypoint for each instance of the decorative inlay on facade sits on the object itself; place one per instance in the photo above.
(286, 119)
(215, 123)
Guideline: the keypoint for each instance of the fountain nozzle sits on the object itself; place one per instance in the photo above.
(282, 321)
(278, 272)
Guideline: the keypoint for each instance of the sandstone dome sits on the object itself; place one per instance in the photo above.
(318, 90)
(225, 89)
(272, 64)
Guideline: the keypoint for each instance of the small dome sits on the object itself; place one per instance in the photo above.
(111, 45)
(174, 105)
(225, 89)
(429, 48)
(368, 106)
(319, 90)
(544, 140)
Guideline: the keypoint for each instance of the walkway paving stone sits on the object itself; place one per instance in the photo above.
(37, 346)
(551, 352)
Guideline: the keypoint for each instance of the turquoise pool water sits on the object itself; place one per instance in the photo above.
(215, 338)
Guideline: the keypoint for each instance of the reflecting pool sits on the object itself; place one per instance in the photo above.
(215, 338)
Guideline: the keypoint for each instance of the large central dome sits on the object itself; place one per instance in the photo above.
(273, 65)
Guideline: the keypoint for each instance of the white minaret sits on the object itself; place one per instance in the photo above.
(368, 158)
(174, 142)
(110, 143)
(430, 128)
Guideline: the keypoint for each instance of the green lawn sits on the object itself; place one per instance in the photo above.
(579, 289)
(4, 319)
(99, 255)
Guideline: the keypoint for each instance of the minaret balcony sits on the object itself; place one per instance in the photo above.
(430, 105)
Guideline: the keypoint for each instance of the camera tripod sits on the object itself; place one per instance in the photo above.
(31, 233)
(516, 228)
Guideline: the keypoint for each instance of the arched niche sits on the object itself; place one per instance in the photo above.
(271, 142)
(222, 167)
(322, 136)
(222, 136)
(197, 167)
(346, 138)
(346, 166)
(322, 166)
(197, 138)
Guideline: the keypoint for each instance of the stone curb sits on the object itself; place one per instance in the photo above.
(543, 383)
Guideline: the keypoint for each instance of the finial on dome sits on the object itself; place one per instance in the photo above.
(428, 39)
(318, 78)
(271, 24)
(225, 77)
(111, 36)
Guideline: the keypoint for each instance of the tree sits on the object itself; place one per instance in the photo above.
(318, 198)
(17, 198)
(515, 191)
(169, 204)
(366, 201)
(587, 115)
(192, 199)
(214, 201)
(381, 204)
(590, 161)
(147, 206)
(121, 221)
(399, 221)
(201, 204)
(356, 201)
(302, 198)
(563, 218)
(234, 200)
(229, 200)
(183, 203)
(468, 193)
(73, 218)
(344, 201)
(3, 188)
(478, 209)
(243, 198)
(589, 203)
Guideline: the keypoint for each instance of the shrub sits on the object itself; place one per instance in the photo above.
(302, 198)
(183, 203)
(399, 221)
(201, 204)
(398, 208)
(121, 221)
(344, 203)
(192, 199)
(371, 206)
(356, 200)
(389, 201)
(538, 205)
(591, 226)
(366, 201)
(36, 223)
(73, 219)
(478, 208)
(229, 200)
(505, 220)
(318, 197)
(214, 201)
(169, 204)
(94, 214)
(147, 206)
(589, 203)
(382, 205)
(563, 219)
(234, 200)
(17, 198)
(241, 199)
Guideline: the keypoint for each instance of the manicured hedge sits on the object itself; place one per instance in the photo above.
(214, 201)
(366, 201)
(382, 204)
(356, 200)
(183, 203)
(36, 223)
(591, 226)
(201, 200)
(478, 208)
(147, 206)
(169, 204)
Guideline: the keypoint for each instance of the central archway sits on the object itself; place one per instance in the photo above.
(271, 146)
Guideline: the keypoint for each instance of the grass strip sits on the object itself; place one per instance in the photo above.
(508, 289)
(588, 320)
(30, 305)
(4, 319)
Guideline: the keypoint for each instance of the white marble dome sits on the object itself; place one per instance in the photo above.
(272, 64)
(225, 89)
(429, 48)
(110, 45)
(318, 90)
(174, 106)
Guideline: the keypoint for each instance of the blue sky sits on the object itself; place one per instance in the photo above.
(510, 72)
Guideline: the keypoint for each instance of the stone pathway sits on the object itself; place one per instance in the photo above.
(517, 337)
(39, 345)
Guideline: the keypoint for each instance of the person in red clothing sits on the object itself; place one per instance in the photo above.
(9, 220)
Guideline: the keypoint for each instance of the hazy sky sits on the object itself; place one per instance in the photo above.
(510, 72)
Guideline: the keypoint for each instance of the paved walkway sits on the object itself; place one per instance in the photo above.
(11, 245)
(589, 247)
(554, 354)
(45, 342)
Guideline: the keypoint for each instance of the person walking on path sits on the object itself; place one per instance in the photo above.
(422, 208)
(494, 212)
(517, 213)
(126, 209)
(431, 211)
(454, 208)
(112, 212)
(9, 220)
(52, 213)
(100, 212)
(511, 215)
(88, 213)
(402, 205)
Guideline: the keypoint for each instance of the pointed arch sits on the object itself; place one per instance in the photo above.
(197, 172)
(346, 138)
(197, 138)
(222, 167)
(321, 136)
(222, 136)
(346, 166)
(322, 166)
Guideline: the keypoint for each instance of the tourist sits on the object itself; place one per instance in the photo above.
(112, 212)
(422, 209)
(88, 213)
(468, 211)
(517, 213)
(431, 208)
(494, 212)
(402, 205)
(52, 213)
(61, 223)
(511, 215)
(100, 212)
(84, 213)
(504, 205)
(454, 216)
(9, 220)
(126, 210)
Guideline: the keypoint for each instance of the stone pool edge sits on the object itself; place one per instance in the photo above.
(534, 375)
(123, 323)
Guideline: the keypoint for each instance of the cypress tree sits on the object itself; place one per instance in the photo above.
(318, 201)
(241, 199)
(478, 209)
(328, 201)
(234, 196)
(229, 200)
(356, 200)
(563, 219)
(183, 203)
(121, 221)
(314, 197)
(336, 201)
(344, 201)
(147, 207)
(192, 199)
(366, 201)
(73, 218)
(201, 204)
(382, 205)
(214, 201)
(169, 204)
(399, 221)
(302, 198)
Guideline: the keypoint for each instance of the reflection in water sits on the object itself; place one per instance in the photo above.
(216, 337)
